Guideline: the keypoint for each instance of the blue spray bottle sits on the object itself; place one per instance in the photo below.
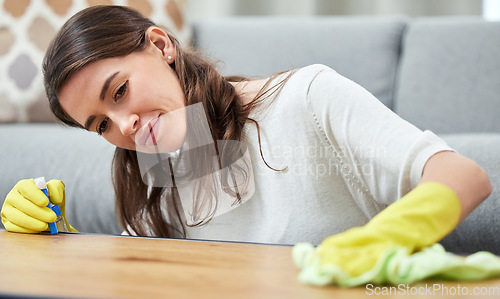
(60, 224)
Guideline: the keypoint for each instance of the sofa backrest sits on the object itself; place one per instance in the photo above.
(449, 78)
(364, 49)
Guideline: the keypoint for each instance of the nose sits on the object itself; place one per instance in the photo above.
(127, 123)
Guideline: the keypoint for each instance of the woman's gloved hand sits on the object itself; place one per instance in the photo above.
(25, 208)
(418, 220)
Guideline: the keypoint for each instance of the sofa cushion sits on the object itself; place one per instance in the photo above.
(82, 160)
(480, 230)
(449, 75)
(364, 49)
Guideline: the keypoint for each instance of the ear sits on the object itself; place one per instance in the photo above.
(160, 40)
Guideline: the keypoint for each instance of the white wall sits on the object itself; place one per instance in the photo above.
(491, 10)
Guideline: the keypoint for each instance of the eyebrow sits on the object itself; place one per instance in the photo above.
(89, 121)
(106, 85)
(104, 90)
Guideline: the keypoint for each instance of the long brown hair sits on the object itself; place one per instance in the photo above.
(101, 32)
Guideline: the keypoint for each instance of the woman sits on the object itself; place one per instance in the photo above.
(295, 157)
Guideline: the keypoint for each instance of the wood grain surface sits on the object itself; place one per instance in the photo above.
(98, 266)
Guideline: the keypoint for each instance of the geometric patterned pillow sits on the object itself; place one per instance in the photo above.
(26, 29)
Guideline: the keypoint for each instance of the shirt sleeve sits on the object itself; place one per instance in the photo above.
(380, 152)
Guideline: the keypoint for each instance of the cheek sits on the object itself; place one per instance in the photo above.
(148, 94)
(166, 87)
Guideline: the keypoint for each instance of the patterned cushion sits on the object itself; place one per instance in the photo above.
(26, 29)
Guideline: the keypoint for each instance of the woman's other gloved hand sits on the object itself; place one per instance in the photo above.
(25, 208)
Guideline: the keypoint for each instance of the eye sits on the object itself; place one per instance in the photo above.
(120, 92)
(102, 126)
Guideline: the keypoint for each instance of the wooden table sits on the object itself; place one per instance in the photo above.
(98, 266)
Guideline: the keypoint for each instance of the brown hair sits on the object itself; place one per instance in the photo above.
(101, 32)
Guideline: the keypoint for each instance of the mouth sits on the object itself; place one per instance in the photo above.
(148, 134)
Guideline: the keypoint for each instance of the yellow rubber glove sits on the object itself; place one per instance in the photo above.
(25, 207)
(419, 219)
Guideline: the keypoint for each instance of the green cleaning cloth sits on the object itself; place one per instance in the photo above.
(396, 266)
(398, 245)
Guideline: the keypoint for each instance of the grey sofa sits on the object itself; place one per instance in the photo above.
(441, 74)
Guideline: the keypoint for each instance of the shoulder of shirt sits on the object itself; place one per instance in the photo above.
(313, 70)
(306, 75)
(308, 71)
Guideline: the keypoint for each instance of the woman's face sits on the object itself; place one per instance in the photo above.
(134, 101)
